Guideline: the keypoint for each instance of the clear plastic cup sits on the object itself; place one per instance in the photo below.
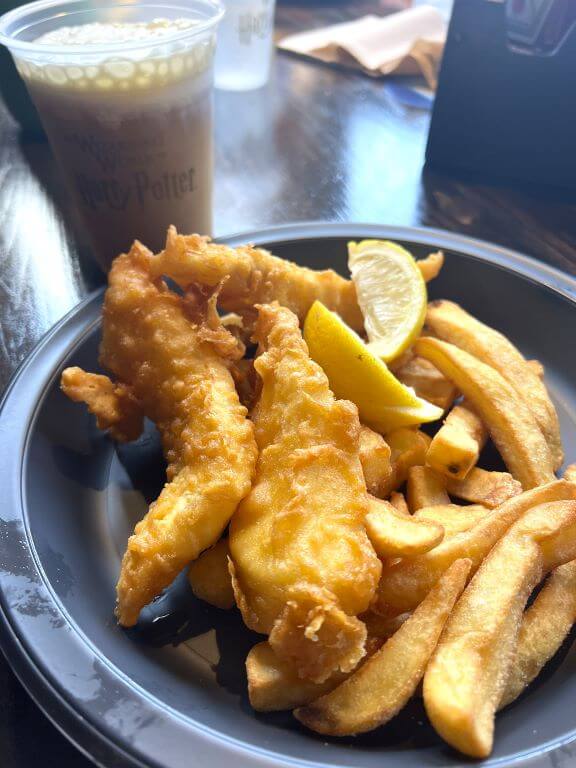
(130, 122)
(245, 45)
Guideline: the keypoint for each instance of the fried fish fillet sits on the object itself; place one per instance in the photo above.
(168, 351)
(116, 408)
(254, 276)
(303, 566)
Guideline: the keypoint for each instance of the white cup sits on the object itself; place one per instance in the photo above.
(245, 45)
(130, 122)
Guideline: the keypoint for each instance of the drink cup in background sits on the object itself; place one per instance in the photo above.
(245, 45)
(124, 91)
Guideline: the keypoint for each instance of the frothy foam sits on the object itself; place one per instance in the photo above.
(163, 62)
(98, 33)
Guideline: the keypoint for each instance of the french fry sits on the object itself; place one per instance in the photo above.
(430, 266)
(399, 362)
(395, 535)
(427, 381)
(375, 459)
(209, 578)
(377, 691)
(409, 448)
(403, 585)
(456, 446)
(483, 487)
(570, 473)
(545, 626)
(508, 419)
(451, 323)
(274, 685)
(398, 501)
(425, 489)
(453, 518)
(383, 627)
(467, 674)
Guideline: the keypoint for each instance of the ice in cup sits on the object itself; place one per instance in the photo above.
(124, 91)
(245, 45)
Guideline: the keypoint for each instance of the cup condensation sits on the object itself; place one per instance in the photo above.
(245, 45)
(131, 122)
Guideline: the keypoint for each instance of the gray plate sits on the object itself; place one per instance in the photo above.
(172, 692)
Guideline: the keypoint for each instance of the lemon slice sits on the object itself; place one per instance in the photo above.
(356, 374)
(391, 293)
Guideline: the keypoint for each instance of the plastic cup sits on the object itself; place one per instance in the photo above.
(130, 122)
(245, 45)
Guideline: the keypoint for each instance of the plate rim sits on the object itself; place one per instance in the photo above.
(90, 739)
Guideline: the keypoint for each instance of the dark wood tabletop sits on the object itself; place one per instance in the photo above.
(318, 143)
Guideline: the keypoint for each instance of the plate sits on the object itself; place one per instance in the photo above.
(172, 692)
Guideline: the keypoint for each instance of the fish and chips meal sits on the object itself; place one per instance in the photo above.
(324, 439)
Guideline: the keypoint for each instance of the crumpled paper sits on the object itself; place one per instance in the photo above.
(409, 42)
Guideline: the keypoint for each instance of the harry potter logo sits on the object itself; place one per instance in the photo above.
(107, 193)
(251, 25)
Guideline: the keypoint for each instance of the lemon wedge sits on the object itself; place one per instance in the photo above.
(356, 374)
(391, 293)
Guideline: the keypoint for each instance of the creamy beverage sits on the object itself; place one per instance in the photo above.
(130, 123)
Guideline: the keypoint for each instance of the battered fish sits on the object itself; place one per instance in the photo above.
(302, 565)
(252, 276)
(169, 352)
(116, 408)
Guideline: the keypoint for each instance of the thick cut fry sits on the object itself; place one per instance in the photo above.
(467, 675)
(169, 351)
(451, 323)
(274, 684)
(408, 447)
(570, 473)
(395, 535)
(251, 276)
(545, 626)
(399, 503)
(430, 266)
(483, 487)
(456, 446)
(453, 518)
(405, 584)
(508, 419)
(209, 577)
(376, 692)
(399, 362)
(114, 405)
(425, 489)
(304, 566)
(383, 627)
(427, 381)
(375, 459)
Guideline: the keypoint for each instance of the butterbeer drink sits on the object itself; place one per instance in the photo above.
(127, 106)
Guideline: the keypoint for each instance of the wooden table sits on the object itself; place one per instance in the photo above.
(317, 143)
